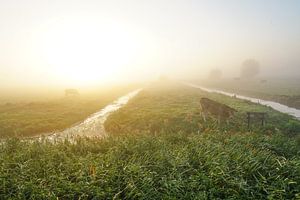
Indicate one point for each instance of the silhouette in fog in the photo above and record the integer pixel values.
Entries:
(250, 68)
(218, 110)
(71, 93)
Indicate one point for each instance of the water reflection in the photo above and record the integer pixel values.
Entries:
(276, 106)
(93, 126)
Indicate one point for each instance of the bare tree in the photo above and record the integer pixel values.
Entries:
(250, 68)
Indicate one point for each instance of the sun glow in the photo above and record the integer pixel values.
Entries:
(89, 51)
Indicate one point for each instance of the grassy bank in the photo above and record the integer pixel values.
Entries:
(210, 165)
(284, 91)
(159, 148)
(173, 108)
(34, 118)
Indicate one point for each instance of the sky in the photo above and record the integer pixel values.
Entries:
(72, 42)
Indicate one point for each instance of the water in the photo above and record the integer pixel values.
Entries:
(93, 126)
(276, 106)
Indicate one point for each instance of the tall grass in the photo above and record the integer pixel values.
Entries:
(211, 165)
(159, 148)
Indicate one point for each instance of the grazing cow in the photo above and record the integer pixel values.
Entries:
(71, 92)
(220, 111)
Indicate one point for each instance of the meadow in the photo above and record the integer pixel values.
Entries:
(158, 147)
(173, 107)
(282, 90)
(31, 118)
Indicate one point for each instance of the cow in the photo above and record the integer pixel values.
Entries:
(71, 92)
(220, 111)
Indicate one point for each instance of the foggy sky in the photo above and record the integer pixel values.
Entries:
(188, 37)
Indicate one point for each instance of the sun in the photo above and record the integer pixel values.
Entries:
(88, 51)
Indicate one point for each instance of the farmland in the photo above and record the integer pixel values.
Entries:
(192, 100)
(282, 90)
(31, 118)
(177, 108)
(160, 148)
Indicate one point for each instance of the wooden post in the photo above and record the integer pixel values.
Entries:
(248, 116)
(263, 119)
(259, 115)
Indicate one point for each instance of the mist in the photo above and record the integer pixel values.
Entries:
(75, 44)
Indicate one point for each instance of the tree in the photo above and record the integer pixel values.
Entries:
(250, 68)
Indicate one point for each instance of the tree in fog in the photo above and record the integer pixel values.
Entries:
(215, 74)
(250, 68)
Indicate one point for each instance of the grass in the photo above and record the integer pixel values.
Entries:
(34, 118)
(159, 148)
(177, 108)
(271, 86)
(284, 91)
(210, 165)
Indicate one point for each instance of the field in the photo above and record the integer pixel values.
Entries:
(174, 107)
(285, 91)
(28, 119)
(160, 148)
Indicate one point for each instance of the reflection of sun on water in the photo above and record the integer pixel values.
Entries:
(89, 52)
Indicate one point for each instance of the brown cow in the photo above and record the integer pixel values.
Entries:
(220, 111)
(71, 92)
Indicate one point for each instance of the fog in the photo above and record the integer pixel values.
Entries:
(71, 43)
